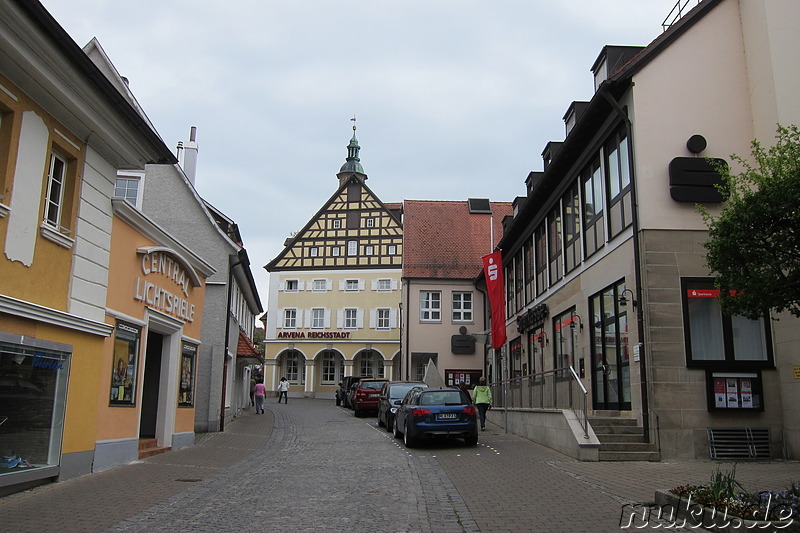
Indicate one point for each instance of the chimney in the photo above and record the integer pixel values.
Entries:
(190, 155)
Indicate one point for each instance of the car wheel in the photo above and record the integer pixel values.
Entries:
(356, 412)
(396, 431)
(380, 422)
(389, 422)
(471, 440)
(407, 440)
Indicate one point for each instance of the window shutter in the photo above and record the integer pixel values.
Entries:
(281, 318)
(360, 318)
(301, 285)
(281, 286)
(327, 320)
(374, 284)
(328, 285)
(392, 317)
(307, 313)
(361, 284)
(339, 318)
(342, 284)
(373, 318)
(394, 284)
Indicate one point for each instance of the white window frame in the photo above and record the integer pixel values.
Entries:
(459, 309)
(384, 318)
(317, 318)
(350, 318)
(351, 285)
(331, 368)
(336, 251)
(124, 186)
(369, 250)
(293, 372)
(54, 207)
(392, 249)
(337, 223)
(320, 285)
(313, 251)
(384, 285)
(430, 306)
(370, 222)
(294, 288)
(352, 248)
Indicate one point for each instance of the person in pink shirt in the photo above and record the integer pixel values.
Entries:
(259, 392)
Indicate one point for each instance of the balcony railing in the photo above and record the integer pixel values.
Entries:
(681, 8)
(554, 389)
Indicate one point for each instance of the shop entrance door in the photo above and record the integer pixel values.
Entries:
(150, 387)
(611, 386)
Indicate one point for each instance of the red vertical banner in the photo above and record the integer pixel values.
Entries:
(496, 288)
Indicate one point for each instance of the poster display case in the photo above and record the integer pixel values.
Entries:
(733, 391)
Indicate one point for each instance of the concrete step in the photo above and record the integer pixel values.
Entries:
(150, 447)
(626, 447)
(617, 430)
(629, 456)
(612, 421)
(621, 437)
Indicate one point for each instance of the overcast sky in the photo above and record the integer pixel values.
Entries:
(454, 99)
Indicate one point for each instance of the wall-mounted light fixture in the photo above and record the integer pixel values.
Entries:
(572, 319)
(623, 300)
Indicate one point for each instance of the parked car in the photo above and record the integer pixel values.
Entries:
(344, 389)
(392, 394)
(365, 395)
(436, 413)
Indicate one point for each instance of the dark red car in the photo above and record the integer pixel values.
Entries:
(366, 395)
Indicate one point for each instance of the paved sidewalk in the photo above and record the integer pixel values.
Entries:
(311, 466)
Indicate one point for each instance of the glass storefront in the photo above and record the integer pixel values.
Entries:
(33, 391)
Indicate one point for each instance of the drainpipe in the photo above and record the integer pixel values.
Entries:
(643, 355)
(408, 353)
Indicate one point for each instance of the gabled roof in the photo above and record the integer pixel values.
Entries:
(443, 240)
(342, 190)
(245, 348)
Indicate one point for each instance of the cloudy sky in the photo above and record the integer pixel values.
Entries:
(454, 99)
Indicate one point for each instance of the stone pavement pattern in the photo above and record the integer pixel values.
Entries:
(310, 466)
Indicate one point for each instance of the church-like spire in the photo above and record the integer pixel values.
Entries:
(352, 164)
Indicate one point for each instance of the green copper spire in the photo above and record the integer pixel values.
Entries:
(353, 163)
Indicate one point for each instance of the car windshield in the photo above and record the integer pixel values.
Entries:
(399, 391)
(442, 398)
(372, 384)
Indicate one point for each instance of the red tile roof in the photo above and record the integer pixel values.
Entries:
(442, 239)
(245, 347)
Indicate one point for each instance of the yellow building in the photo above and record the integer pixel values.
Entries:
(334, 292)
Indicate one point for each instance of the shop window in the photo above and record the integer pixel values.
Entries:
(716, 340)
(293, 361)
(331, 367)
(371, 364)
(564, 345)
(188, 357)
(126, 359)
(33, 391)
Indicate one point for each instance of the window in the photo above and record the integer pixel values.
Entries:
(319, 285)
(610, 365)
(330, 367)
(292, 371)
(530, 271)
(313, 251)
(186, 393)
(336, 251)
(392, 249)
(352, 247)
(337, 223)
(370, 222)
(572, 228)
(554, 248)
(540, 255)
(462, 307)
(351, 285)
(384, 285)
(371, 364)
(127, 187)
(618, 183)
(290, 318)
(519, 281)
(430, 306)
(292, 285)
(369, 250)
(56, 183)
(383, 318)
(715, 339)
(593, 229)
(124, 370)
(564, 352)
(351, 318)
(317, 318)
(509, 279)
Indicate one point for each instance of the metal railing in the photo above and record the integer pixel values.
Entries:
(554, 389)
(680, 9)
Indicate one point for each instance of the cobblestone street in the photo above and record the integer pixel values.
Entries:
(311, 466)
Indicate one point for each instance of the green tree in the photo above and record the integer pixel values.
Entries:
(754, 241)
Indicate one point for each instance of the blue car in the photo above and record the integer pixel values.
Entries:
(436, 413)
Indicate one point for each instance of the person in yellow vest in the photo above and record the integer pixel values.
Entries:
(482, 396)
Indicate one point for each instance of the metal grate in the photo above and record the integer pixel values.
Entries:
(739, 443)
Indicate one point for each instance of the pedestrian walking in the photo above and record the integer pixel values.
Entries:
(283, 391)
(252, 390)
(259, 392)
(482, 396)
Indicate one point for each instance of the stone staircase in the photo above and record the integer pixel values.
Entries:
(149, 448)
(622, 439)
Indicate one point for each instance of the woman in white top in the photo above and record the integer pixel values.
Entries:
(283, 390)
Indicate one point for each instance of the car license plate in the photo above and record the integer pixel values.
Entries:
(447, 416)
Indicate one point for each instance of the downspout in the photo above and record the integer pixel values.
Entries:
(407, 354)
(227, 341)
(637, 271)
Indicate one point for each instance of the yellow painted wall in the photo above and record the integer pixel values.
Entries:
(51, 262)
